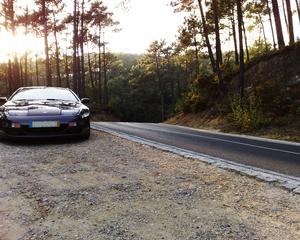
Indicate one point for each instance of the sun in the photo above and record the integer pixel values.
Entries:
(11, 45)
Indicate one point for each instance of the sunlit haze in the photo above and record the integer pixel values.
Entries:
(145, 22)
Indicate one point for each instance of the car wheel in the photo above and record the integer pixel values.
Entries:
(86, 136)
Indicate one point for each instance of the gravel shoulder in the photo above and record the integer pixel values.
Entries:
(112, 188)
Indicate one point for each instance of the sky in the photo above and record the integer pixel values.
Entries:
(146, 21)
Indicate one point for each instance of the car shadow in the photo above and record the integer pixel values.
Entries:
(43, 141)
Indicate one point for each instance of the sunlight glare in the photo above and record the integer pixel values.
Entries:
(11, 45)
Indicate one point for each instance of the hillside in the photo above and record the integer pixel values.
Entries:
(275, 81)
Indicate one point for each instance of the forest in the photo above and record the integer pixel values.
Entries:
(205, 68)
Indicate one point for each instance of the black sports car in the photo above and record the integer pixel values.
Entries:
(44, 112)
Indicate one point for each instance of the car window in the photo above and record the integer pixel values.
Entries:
(44, 94)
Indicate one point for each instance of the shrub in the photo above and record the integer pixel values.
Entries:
(247, 114)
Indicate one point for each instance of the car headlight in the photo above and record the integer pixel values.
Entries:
(84, 113)
(70, 112)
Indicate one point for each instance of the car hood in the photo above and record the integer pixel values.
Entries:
(42, 108)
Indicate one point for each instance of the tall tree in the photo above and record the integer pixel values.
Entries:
(45, 26)
(256, 11)
(75, 40)
(270, 20)
(298, 9)
(217, 32)
(280, 38)
(26, 50)
(105, 73)
(100, 18)
(10, 25)
(290, 21)
(234, 34)
(56, 28)
(189, 34)
(82, 37)
(240, 22)
(214, 64)
(154, 54)
(168, 52)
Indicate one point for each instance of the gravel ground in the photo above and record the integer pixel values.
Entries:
(111, 188)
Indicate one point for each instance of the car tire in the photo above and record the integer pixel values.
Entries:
(87, 136)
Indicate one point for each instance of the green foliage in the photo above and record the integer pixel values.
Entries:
(247, 114)
(183, 105)
(103, 108)
(273, 97)
(259, 48)
(141, 112)
(283, 121)
(224, 107)
(202, 97)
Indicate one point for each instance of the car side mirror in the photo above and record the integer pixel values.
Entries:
(3, 99)
(85, 100)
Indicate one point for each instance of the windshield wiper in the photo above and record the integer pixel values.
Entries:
(21, 101)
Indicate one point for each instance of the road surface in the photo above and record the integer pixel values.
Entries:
(277, 156)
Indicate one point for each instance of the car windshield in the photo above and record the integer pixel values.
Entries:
(27, 94)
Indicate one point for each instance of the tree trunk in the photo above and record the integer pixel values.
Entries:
(290, 21)
(6, 84)
(240, 22)
(186, 76)
(58, 78)
(197, 58)
(278, 24)
(37, 69)
(47, 64)
(171, 83)
(16, 74)
(100, 72)
(26, 52)
(104, 72)
(91, 75)
(95, 75)
(67, 71)
(82, 52)
(78, 57)
(218, 50)
(66, 64)
(21, 74)
(272, 29)
(205, 32)
(75, 47)
(284, 15)
(298, 9)
(217, 30)
(246, 41)
(234, 39)
(161, 85)
(79, 74)
(90, 70)
(10, 76)
(264, 33)
(178, 86)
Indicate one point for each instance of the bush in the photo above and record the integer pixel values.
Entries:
(247, 115)
(183, 105)
(200, 104)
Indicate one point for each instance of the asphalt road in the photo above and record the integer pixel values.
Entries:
(277, 156)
